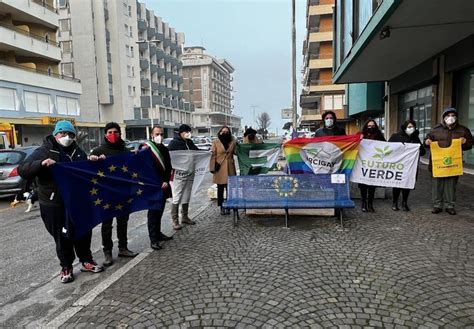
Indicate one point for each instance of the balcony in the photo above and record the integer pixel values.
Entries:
(191, 107)
(168, 75)
(166, 43)
(181, 105)
(154, 85)
(157, 100)
(153, 68)
(161, 71)
(145, 101)
(145, 83)
(32, 11)
(320, 63)
(175, 93)
(321, 10)
(166, 101)
(19, 74)
(169, 91)
(141, 25)
(186, 106)
(320, 36)
(160, 54)
(179, 65)
(321, 86)
(160, 36)
(174, 103)
(27, 44)
(162, 89)
(142, 46)
(143, 63)
(150, 33)
(180, 94)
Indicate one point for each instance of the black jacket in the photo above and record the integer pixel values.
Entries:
(335, 131)
(166, 174)
(48, 192)
(178, 143)
(107, 148)
(402, 137)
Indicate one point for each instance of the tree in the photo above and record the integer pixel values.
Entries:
(287, 125)
(263, 121)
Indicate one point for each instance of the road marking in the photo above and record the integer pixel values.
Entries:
(94, 292)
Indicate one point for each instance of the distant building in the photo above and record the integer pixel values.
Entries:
(34, 93)
(319, 94)
(208, 85)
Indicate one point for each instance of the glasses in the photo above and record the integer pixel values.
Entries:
(70, 134)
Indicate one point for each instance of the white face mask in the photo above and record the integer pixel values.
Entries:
(450, 120)
(187, 135)
(65, 141)
(158, 139)
(410, 131)
(328, 122)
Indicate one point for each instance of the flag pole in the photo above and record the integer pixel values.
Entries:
(293, 58)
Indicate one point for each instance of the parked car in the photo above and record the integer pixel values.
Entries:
(134, 146)
(167, 141)
(10, 182)
(203, 143)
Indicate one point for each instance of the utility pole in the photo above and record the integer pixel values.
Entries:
(253, 107)
(293, 58)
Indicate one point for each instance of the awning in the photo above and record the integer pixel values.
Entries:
(403, 34)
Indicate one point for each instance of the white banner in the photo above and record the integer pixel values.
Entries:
(196, 162)
(386, 164)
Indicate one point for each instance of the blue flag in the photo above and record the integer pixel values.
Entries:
(94, 191)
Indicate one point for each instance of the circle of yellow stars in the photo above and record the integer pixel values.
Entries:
(285, 185)
(101, 174)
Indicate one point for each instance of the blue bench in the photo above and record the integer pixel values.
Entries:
(287, 192)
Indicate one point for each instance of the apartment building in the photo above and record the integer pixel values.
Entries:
(208, 85)
(422, 50)
(34, 93)
(319, 94)
(128, 60)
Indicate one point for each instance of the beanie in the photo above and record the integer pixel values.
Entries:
(184, 128)
(64, 125)
(449, 110)
(249, 131)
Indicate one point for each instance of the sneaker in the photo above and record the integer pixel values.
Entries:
(156, 246)
(162, 237)
(66, 275)
(30, 205)
(91, 267)
(188, 221)
(451, 211)
(124, 252)
(436, 210)
(108, 260)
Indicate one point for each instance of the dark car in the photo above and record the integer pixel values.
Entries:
(10, 182)
(134, 146)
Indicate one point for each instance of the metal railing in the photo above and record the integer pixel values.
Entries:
(43, 3)
(54, 75)
(29, 34)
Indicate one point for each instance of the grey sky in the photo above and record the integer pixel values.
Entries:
(255, 36)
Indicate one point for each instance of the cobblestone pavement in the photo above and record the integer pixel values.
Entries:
(386, 269)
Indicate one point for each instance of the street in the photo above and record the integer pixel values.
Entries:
(31, 289)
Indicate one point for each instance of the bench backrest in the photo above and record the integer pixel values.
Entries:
(287, 191)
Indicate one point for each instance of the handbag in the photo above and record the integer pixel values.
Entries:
(218, 165)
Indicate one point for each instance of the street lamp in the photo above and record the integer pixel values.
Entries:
(150, 112)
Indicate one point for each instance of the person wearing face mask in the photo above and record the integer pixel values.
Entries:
(222, 164)
(154, 216)
(183, 180)
(444, 188)
(113, 145)
(329, 128)
(250, 137)
(59, 147)
(407, 134)
(370, 130)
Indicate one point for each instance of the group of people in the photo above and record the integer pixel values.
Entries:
(61, 146)
(443, 188)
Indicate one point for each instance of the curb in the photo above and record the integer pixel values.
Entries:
(101, 287)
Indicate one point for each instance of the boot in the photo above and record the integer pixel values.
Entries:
(125, 252)
(370, 206)
(364, 206)
(175, 217)
(405, 206)
(222, 211)
(184, 212)
(395, 206)
(108, 261)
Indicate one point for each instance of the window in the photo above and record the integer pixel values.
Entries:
(66, 46)
(67, 69)
(63, 3)
(131, 32)
(338, 102)
(128, 71)
(130, 11)
(133, 72)
(131, 51)
(126, 29)
(127, 50)
(36, 102)
(8, 99)
(67, 105)
(65, 25)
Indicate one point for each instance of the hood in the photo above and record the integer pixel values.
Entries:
(329, 112)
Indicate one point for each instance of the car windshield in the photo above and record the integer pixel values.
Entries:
(11, 158)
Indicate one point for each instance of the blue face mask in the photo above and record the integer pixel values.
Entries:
(328, 122)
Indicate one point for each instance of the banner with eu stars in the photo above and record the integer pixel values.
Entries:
(94, 191)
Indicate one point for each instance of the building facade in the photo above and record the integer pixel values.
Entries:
(208, 85)
(319, 94)
(128, 60)
(421, 50)
(34, 93)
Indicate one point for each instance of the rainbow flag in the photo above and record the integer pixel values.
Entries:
(322, 155)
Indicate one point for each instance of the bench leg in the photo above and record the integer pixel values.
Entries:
(236, 214)
(286, 218)
(340, 217)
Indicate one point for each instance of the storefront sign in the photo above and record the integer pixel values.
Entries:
(53, 120)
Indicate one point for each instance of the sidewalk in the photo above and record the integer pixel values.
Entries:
(387, 269)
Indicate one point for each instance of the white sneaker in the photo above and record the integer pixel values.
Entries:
(30, 205)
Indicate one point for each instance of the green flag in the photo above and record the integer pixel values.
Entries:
(257, 159)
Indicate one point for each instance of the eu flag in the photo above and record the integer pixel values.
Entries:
(94, 191)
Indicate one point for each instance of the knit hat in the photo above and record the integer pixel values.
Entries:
(249, 131)
(449, 110)
(184, 128)
(64, 125)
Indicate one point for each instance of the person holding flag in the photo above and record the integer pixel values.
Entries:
(113, 145)
(60, 146)
(183, 180)
(163, 161)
